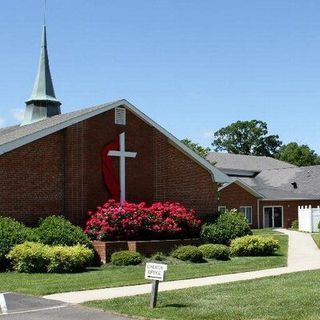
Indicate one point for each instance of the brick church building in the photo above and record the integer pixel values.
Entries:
(55, 163)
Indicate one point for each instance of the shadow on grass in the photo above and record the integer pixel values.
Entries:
(174, 305)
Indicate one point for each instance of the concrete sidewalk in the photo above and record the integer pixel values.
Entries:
(303, 254)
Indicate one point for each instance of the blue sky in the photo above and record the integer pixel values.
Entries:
(193, 66)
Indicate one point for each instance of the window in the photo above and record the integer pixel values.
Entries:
(222, 209)
(120, 116)
(247, 212)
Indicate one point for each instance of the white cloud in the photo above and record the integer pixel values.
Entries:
(208, 134)
(18, 113)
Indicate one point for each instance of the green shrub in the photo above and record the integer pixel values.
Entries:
(56, 230)
(295, 225)
(69, 259)
(229, 225)
(254, 246)
(215, 251)
(159, 256)
(12, 232)
(188, 253)
(126, 258)
(29, 257)
(37, 257)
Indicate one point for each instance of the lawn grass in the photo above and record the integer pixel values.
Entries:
(288, 297)
(113, 276)
(266, 231)
(316, 238)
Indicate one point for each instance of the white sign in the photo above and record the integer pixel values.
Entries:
(155, 271)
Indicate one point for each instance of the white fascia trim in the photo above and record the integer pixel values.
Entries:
(245, 187)
(217, 175)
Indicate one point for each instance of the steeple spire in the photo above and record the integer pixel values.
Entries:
(43, 102)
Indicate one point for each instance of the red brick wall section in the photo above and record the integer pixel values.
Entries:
(61, 173)
(75, 189)
(290, 209)
(105, 249)
(233, 197)
(178, 178)
(32, 180)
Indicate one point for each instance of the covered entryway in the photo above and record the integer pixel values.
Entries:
(273, 217)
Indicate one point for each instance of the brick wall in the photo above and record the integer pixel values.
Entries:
(290, 209)
(104, 249)
(177, 178)
(32, 180)
(233, 197)
(61, 173)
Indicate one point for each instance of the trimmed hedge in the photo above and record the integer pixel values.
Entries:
(56, 230)
(126, 258)
(159, 256)
(188, 253)
(229, 225)
(215, 251)
(31, 257)
(69, 259)
(254, 246)
(12, 232)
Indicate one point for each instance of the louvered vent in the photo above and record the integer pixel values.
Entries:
(120, 116)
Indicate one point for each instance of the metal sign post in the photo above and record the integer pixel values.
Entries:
(154, 293)
(155, 272)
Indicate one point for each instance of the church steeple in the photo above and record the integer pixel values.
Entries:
(43, 102)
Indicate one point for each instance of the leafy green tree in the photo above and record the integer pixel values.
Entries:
(247, 137)
(201, 151)
(299, 155)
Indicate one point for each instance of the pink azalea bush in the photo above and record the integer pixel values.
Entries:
(131, 221)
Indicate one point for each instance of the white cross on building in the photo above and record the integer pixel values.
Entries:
(122, 154)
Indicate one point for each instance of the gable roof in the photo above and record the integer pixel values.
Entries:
(244, 186)
(229, 162)
(17, 136)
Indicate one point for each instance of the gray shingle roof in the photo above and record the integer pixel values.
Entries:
(6, 130)
(13, 133)
(244, 162)
(277, 183)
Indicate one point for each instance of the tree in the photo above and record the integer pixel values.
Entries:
(299, 155)
(247, 137)
(201, 151)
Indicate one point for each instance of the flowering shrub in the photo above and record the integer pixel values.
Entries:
(131, 221)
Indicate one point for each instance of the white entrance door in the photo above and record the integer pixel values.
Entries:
(272, 217)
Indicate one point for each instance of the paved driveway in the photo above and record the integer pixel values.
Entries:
(22, 307)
